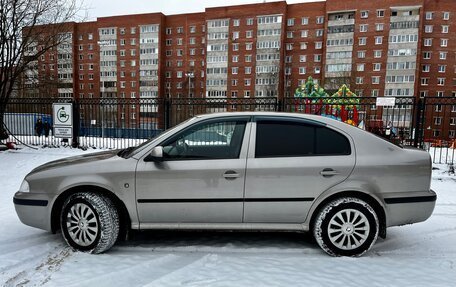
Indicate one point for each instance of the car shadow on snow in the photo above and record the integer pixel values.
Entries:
(220, 241)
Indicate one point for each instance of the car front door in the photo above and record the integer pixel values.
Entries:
(291, 162)
(200, 178)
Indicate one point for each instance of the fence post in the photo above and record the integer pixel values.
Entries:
(76, 124)
(418, 120)
(167, 111)
(279, 107)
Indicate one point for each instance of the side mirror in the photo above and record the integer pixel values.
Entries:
(156, 155)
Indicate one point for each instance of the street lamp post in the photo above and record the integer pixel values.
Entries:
(189, 75)
(102, 87)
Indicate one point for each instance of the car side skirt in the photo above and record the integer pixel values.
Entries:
(225, 226)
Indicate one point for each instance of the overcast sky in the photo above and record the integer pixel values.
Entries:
(102, 8)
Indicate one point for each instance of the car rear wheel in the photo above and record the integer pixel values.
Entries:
(89, 222)
(346, 227)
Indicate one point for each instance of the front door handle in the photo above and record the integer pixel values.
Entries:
(230, 174)
(327, 172)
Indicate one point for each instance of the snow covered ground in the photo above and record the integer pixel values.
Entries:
(423, 254)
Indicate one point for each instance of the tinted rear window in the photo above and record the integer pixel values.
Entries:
(294, 139)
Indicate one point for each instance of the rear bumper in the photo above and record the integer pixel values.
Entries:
(413, 208)
(33, 209)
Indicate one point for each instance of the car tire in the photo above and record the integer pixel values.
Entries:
(89, 222)
(346, 227)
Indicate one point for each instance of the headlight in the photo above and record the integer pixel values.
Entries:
(24, 186)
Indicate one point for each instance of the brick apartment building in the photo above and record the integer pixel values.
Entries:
(391, 48)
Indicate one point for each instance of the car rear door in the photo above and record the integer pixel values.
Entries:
(291, 162)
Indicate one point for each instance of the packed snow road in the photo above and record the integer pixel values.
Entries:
(423, 254)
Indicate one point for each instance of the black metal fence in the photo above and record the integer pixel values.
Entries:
(428, 123)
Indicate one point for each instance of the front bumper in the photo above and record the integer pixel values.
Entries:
(34, 209)
(410, 208)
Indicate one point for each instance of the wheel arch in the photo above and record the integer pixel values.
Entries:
(124, 218)
(372, 201)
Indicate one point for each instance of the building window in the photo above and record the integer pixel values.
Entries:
(304, 20)
(360, 67)
(248, 58)
(426, 68)
(317, 58)
(443, 42)
(235, 59)
(303, 46)
(364, 14)
(302, 58)
(247, 82)
(317, 70)
(428, 42)
(249, 21)
(304, 33)
(377, 53)
(236, 22)
(168, 31)
(320, 19)
(290, 22)
(426, 55)
(379, 27)
(377, 67)
(363, 28)
(359, 80)
(362, 41)
(375, 80)
(440, 81)
(442, 55)
(378, 40)
(361, 54)
(424, 81)
(446, 15)
(302, 70)
(249, 34)
(428, 28)
(234, 70)
(442, 68)
(133, 30)
(180, 30)
(192, 29)
(290, 34)
(429, 15)
(90, 36)
(380, 13)
(445, 29)
(289, 46)
(318, 45)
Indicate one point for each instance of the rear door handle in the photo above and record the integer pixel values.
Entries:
(230, 174)
(327, 172)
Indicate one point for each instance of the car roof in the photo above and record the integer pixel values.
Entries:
(318, 118)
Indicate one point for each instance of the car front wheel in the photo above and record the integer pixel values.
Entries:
(89, 222)
(346, 227)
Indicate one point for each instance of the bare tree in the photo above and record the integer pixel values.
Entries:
(25, 35)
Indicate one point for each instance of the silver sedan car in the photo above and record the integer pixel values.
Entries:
(236, 171)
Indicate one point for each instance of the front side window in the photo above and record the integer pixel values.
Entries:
(275, 138)
(215, 140)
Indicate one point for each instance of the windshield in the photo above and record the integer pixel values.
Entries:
(134, 150)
